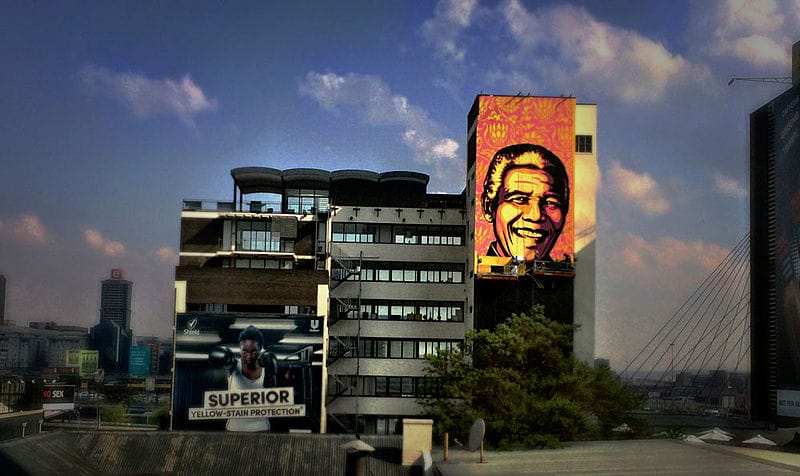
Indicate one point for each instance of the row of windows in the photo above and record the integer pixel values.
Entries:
(382, 386)
(405, 272)
(369, 347)
(370, 424)
(403, 310)
(259, 236)
(254, 263)
(398, 234)
(306, 200)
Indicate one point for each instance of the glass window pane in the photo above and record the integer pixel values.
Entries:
(408, 349)
(382, 349)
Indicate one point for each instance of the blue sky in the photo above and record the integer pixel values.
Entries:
(113, 113)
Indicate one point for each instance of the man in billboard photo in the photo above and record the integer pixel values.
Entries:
(526, 199)
(254, 370)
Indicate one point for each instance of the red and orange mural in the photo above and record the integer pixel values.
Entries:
(524, 176)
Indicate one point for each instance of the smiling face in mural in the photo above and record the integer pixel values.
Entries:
(530, 214)
(526, 198)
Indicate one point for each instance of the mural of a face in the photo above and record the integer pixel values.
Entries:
(530, 214)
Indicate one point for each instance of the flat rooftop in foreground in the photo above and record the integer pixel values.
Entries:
(629, 457)
(201, 453)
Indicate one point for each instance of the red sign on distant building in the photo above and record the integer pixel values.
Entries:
(117, 274)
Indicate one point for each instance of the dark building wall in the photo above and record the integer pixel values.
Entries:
(113, 345)
(496, 300)
(251, 286)
(762, 264)
(201, 235)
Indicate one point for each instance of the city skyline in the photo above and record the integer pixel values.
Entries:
(114, 113)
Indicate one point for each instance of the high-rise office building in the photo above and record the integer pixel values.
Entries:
(115, 299)
(775, 256)
(112, 336)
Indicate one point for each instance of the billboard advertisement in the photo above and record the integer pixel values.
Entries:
(524, 176)
(787, 248)
(58, 397)
(139, 360)
(249, 374)
(85, 360)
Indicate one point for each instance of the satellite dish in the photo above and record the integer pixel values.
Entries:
(476, 435)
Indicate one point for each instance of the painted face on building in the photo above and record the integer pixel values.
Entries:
(530, 213)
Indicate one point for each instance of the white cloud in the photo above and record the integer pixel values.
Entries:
(570, 46)
(371, 99)
(166, 255)
(729, 186)
(760, 32)
(26, 228)
(639, 189)
(667, 254)
(97, 241)
(444, 29)
(147, 97)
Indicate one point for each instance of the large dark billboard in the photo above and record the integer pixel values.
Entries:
(246, 373)
(786, 110)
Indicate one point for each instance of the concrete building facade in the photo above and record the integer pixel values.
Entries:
(372, 273)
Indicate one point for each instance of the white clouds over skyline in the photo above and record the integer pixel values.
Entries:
(759, 32)
(166, 255)
(639, 189)
(25, 229)
(97, 241)
(146, 97)
(373, 102)
(444, 29)
(729, 186)
(572, 47)
(645, 282)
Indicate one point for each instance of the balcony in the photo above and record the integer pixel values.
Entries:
(254, 206)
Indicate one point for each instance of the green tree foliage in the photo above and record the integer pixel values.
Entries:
(114, 414)
(523, 380)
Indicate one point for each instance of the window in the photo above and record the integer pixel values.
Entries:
(383, 386)
(406, 310)
(398, 234)
(257, 236)
(583, 144)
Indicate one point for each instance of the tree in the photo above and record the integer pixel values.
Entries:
(523, 380)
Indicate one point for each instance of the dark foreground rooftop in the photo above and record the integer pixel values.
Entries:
(196, 453)
(628, 457)
(108, 453)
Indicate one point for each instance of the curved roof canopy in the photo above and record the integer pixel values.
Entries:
(405, 176)
(257, 180)
(269, 180)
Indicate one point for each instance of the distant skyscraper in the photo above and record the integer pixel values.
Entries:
(115, 300)
(2, 298)
(112, 336)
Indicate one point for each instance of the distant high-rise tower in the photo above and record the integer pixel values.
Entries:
(115, 300)
(112, 336)
(2, 298)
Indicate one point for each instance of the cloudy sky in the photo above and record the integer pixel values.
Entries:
(113, 113)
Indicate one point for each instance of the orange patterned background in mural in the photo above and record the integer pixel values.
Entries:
(508, 120)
